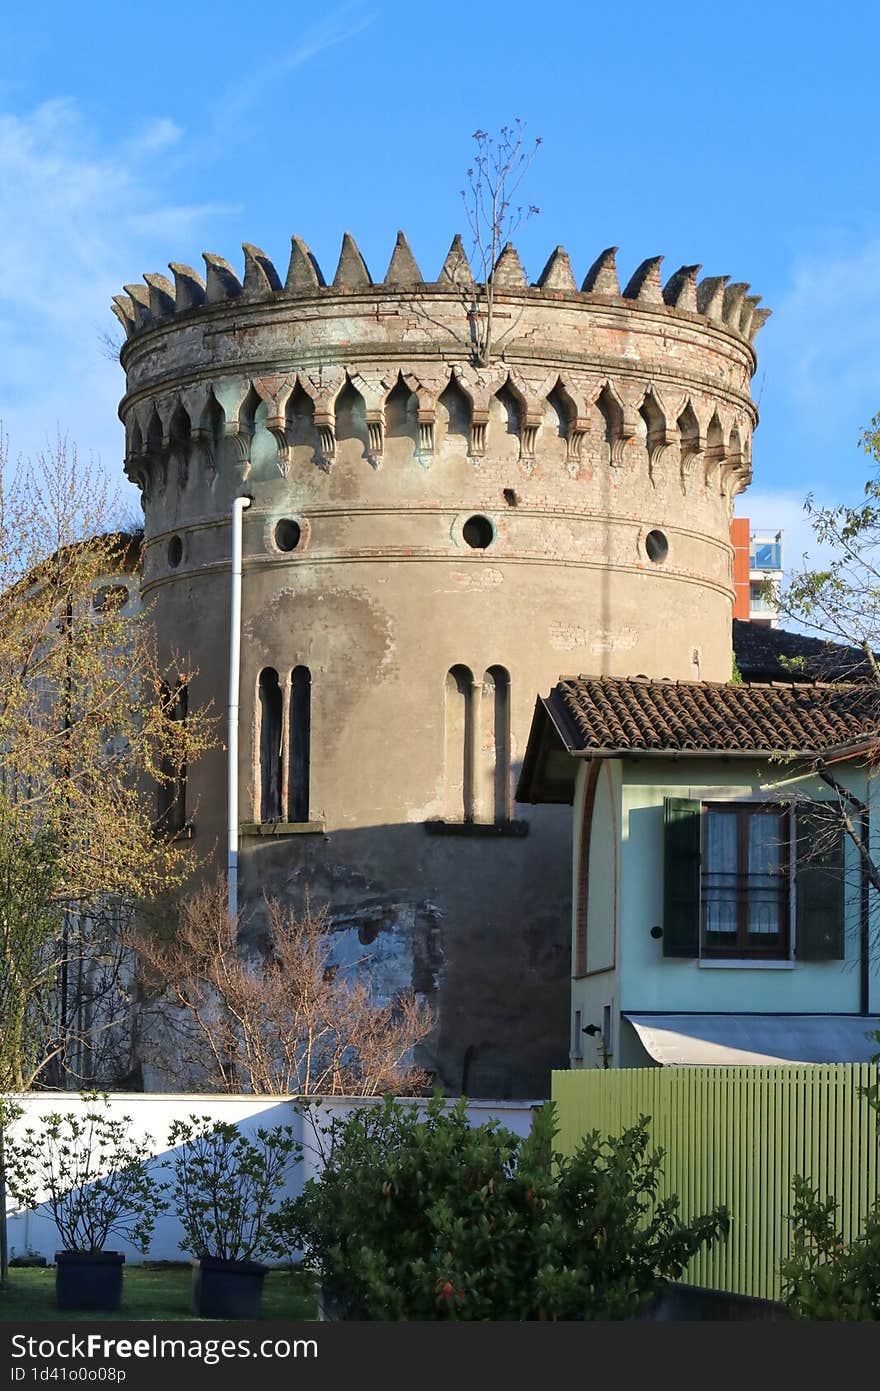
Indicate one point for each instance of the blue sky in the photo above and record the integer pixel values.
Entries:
(743, 136)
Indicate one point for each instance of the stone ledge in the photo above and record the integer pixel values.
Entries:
(477, 828)
(282, 828)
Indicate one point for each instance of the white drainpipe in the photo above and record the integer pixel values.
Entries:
(238, 508)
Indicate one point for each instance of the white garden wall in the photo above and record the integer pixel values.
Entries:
(33, 1233)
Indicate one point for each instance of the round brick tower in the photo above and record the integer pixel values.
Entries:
(430, 544)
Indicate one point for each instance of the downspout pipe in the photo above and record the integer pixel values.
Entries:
(239, 507)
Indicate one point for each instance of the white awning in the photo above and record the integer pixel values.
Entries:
(677, 1040)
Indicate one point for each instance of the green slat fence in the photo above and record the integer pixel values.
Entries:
(738, 1135)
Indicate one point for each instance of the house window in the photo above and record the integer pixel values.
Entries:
(737, 875)
(746, 908)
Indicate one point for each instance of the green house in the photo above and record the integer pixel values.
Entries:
(722, 904)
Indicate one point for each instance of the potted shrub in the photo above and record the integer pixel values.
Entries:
(93, 1177)
(224, 1187)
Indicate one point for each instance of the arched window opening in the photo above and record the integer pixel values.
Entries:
(300, 414)
(559, 411)
(689, 433)
(212, 426)
(247, 413)
(512, 408)
(271, 706)
(654, 422)
(180, 430)
(715, 440)
(454, 411)
(351, 417)
(612, 422)
(495, 743)
(264, 446)
(402, 413)
(300, 744)
(459, 769)
(154, 436)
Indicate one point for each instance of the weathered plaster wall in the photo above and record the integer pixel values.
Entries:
(357, 412)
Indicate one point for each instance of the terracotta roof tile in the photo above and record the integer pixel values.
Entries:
(636, 714)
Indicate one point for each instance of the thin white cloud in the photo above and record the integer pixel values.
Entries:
(338, 26)
(165, 223)
(826, 346)
(153, 138)
(77, 220)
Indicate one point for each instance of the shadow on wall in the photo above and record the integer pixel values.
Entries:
(477, 922)
(34, 1232)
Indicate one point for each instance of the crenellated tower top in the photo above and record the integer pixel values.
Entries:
(714, 298)
(224, 370)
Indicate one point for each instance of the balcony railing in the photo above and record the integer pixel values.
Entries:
(766, 556)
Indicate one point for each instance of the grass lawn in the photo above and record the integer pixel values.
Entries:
(148, 1292)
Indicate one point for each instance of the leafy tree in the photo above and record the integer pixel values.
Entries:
(30, 931)
(88, 728)
(841, 604)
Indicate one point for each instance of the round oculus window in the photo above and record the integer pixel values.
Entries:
(478, 532)
(657, 546)
(288, 534)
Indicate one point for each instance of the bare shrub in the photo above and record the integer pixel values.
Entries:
(284, 1021)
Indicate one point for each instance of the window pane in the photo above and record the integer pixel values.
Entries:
(766, 855)
(720, 874)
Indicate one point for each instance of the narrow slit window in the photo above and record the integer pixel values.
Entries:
(300, 743)
(459, 767)
(495, 745)
(271, 705)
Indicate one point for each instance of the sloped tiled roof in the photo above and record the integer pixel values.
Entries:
(638, 715)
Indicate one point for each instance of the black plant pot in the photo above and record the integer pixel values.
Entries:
(88, 1279)
(227, 1289)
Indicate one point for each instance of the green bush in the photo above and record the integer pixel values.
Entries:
(824, 1277)
(419, 1215)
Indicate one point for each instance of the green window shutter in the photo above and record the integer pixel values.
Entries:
(819, 883)
(681, 877)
